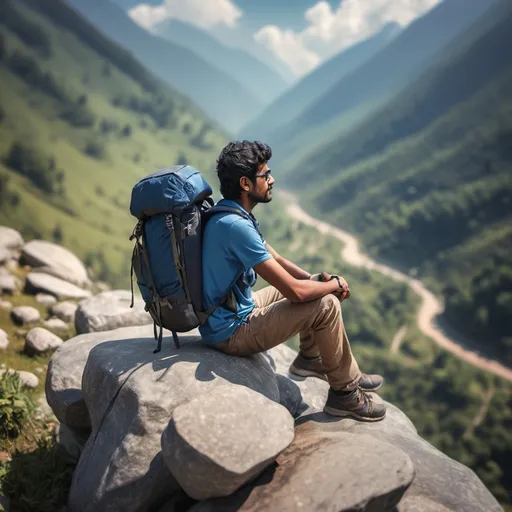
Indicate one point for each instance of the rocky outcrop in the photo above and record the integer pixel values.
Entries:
(154, 425)
(55, 260)
(110, 310)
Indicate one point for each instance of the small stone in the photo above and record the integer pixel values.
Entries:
(39, 341)
(46, 300)
(56, 324)
(4, 339)
(39, 369)
(27, 379)
(65, 310)
(25, 314)
(11, 265)
(7, 283)
(5, 305)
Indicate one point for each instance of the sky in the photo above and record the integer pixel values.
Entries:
(300, 33)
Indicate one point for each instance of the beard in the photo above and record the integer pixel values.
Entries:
(261, 198)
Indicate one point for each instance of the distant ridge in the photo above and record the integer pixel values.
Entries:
(219, 95)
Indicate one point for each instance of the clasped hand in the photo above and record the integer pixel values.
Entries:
(343, 292)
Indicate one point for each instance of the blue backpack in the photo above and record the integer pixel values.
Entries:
(172, 206)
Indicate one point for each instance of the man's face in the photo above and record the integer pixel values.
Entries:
(261, 191)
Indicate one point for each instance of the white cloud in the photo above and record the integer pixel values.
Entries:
(330, 31)
(202, 13)
(288, 47)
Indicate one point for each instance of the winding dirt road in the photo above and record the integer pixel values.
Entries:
(430, 307)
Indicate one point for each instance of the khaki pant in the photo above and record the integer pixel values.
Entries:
(275, 320)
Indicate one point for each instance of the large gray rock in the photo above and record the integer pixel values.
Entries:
(39, 341)
(22, 315)
(65, 310)
(55, 260)
(11, 243)
(220, 440)
(61, 289)
(319, 472)
(110, 310)
(127, 394)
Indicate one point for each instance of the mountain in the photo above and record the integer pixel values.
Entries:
(261, 80)
(369, 86)
(427, 183)
(298, 98)
(222, 97)
(81, 121)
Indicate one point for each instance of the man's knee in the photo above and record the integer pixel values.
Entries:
(330, 302)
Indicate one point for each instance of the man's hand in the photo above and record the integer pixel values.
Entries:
(344, 291)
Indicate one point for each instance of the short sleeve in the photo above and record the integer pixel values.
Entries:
(247, 245)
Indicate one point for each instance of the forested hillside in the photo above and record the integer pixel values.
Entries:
(439, 201)
(367, 89)
(222, 97)
(80, 122)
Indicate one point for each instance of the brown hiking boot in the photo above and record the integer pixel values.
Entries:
(357, 404)
(371, 382)
(308, 367)
(313, 368)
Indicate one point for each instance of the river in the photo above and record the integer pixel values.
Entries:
(431, 306)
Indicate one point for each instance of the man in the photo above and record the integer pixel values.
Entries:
(234, 252)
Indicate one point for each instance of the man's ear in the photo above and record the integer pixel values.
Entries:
(245, 183)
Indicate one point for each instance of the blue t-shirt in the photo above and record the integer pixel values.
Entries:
(232, 246)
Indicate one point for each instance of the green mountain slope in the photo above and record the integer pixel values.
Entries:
(440, 201)
(310, 88)
(80, 122)
(261, 80)
(222, 97)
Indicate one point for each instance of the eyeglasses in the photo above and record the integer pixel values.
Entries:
(265, 175)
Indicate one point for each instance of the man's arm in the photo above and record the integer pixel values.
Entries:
(290, 267)
(296, 289)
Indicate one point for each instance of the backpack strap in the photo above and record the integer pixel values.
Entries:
(229, 300)
(140, 249)
(207, 214)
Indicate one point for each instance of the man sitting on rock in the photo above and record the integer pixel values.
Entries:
(296, 301)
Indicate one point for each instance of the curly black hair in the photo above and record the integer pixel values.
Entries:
(239, 159)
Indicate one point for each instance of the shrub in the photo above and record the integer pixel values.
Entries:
(108, 125)
(95, 150)
(30, 72)
(36, 166)
(15, 405)
(38, 480)
(126, 131)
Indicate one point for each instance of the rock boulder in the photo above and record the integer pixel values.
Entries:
(39, 341)
(55, 260)
(220, 440)
(61, 289)
(110, 310)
